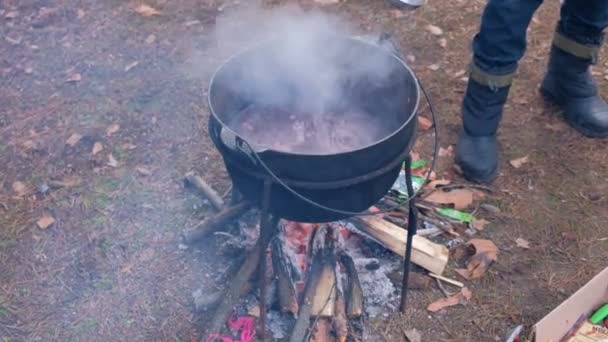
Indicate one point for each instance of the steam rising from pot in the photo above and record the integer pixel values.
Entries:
(299, 63)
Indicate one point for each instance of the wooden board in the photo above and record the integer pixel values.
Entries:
(425, 253)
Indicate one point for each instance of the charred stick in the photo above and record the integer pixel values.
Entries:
(211, 223)
(322, 260)
(353, 291)
(340, 322)
(205, 189)
(283, 268)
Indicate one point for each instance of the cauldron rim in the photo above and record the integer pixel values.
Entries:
(261, 148)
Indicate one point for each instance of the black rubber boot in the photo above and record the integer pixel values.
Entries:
(570, 85)
(477, 149)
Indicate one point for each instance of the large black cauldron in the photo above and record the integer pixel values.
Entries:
(369, 77)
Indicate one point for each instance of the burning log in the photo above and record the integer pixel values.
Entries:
(320, 289)
(427, 254)
(353, 291)
(210, 224)
(286, 273)
(323, 302)
(205, 189)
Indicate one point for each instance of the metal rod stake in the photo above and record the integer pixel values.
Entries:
(411, 231)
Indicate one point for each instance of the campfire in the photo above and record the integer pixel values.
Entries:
(310, 283)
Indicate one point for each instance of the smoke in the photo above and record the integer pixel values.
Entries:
(303, 63)
(307, 69)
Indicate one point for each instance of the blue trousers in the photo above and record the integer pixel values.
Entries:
(501, 41)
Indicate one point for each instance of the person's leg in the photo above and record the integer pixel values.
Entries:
(568, 81)
(497, 49)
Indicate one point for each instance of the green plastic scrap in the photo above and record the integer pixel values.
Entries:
(456, 214)
(416, 164)
(599, 315)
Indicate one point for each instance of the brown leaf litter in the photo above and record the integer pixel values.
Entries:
(459, 198)
(461, 297)
(519, 162)
(480, 224)
(146, 10)
(97, 147)
(424, 123)
(113, 128)
(522, 243)
(412, 335)
(73, 139)
(45, 221)
(486, 252)
(19, 188)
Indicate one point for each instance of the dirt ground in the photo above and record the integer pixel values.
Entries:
(109, 267)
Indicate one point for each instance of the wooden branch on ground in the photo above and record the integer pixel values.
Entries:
(195, 181)
(353, 291)
(447, 280)
(425, 253)
(242, 277)
(285, 273)
(212, 223)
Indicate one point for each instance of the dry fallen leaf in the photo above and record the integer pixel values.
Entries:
(480, 224)
(446, 152)
(460, 198)
(443, 42)
(519, 162)
(74, 78)
(128, 146)
(19, 188)
(522, 243)
(73, 139)
(434, 67)
(97, 147)
(113, 128)
(151, 39)
(45, 221)
(11, 15)
(146, 10)
(131, 66)
(254, 311)
(413, 335)
(460, 298)
(327, 2)
(435, 30)
(112, 161)
(143, 171)
(486, 252)
(424, 123)
(65, 183)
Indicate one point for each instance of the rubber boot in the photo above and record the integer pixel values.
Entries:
(569, 84)
(482, 108)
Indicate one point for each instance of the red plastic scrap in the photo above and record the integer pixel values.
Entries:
(246, 326)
